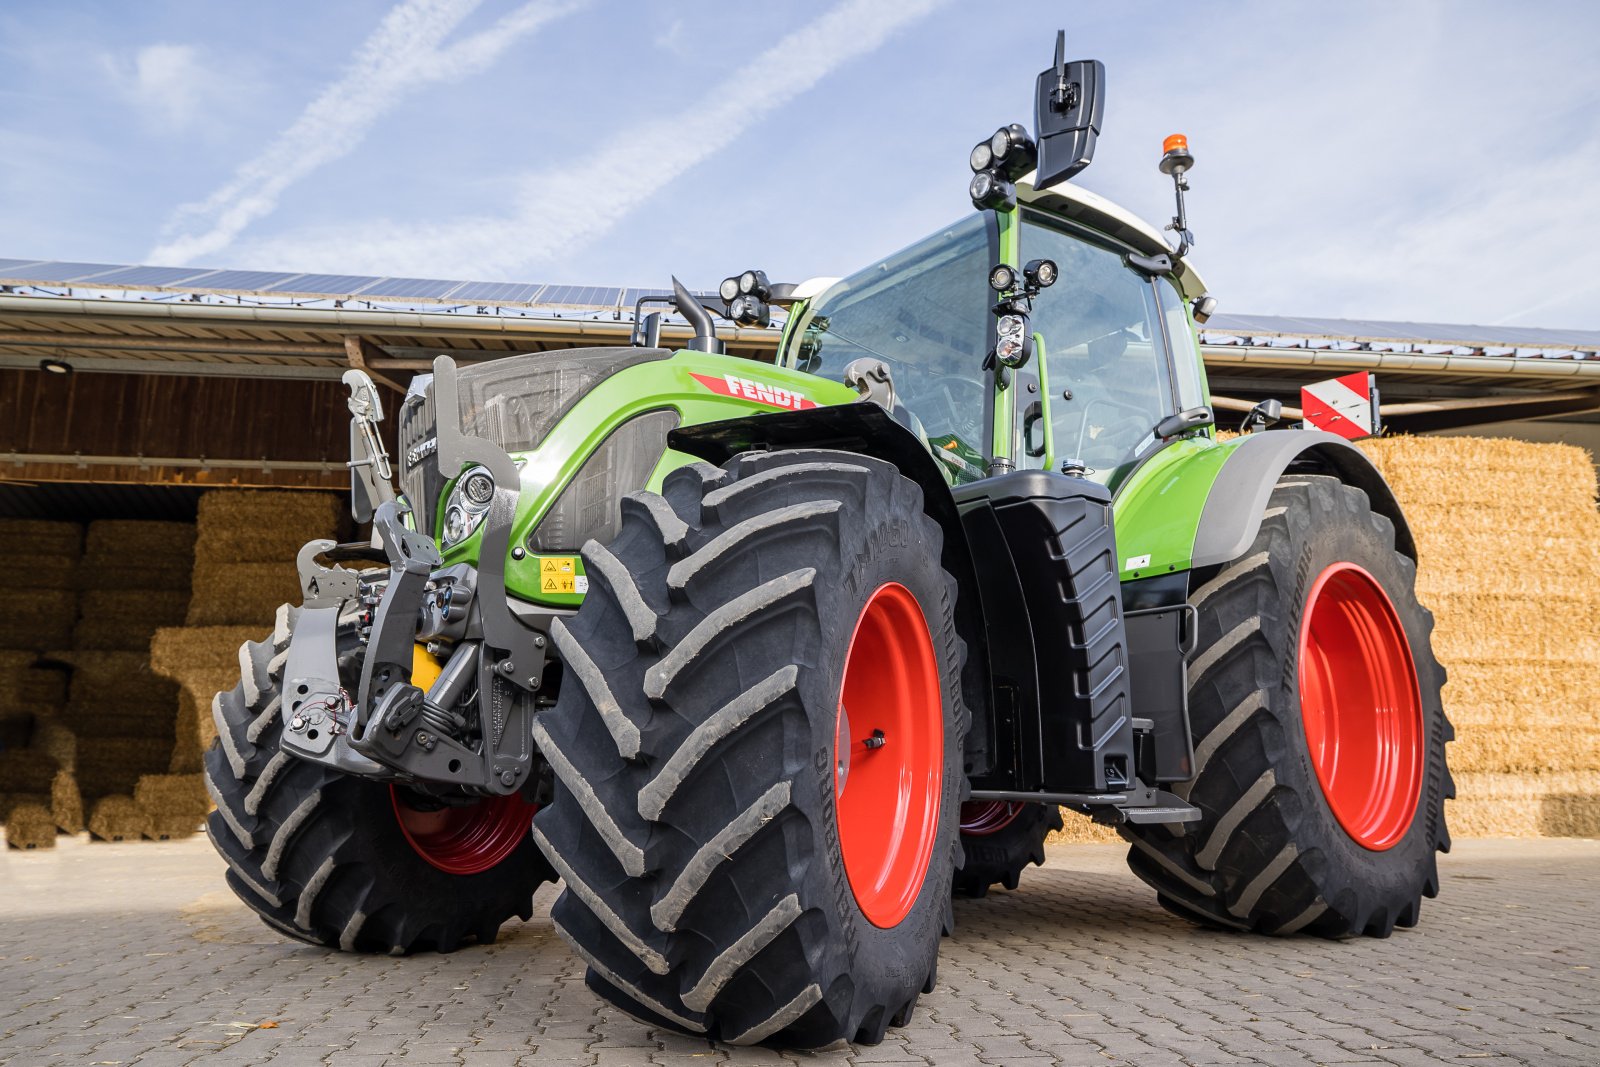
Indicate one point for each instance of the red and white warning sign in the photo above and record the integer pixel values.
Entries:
(1347, 405)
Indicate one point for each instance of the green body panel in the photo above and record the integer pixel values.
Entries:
(668, 383)
(1157, 508)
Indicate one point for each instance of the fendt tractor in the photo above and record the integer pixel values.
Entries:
(763, 661)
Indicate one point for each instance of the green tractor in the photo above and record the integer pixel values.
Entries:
(775, 657)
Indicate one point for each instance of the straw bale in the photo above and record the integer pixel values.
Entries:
(44, 684)
(231, 594)
(31, 826)
(1490, 625)
(66, 803)
(263, 526)
(26, 771)
(127, 618)
(1526, 749)
(1564, 804)
(115, 764)
(112, 541)
(1466, 470)
(40, 537)
(136, 574)
(192, 735)
(123, 720)
(176, 804)
(10, 801)
(178, 649)
(53, 738)
(117, 818)
(1079, 829)
(38, 571)
(38, 619)
(172, 794)
(111, 677)
(1522, 692)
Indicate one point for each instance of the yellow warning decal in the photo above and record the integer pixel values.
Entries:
(559, 574)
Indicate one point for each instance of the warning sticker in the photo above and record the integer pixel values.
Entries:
(558, 574)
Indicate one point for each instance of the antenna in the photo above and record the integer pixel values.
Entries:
(1061, 97)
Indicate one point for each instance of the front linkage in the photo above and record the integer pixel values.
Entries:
(471, 729)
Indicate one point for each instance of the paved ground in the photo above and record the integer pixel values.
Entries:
(135, 954)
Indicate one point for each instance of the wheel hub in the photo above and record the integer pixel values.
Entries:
(889, 755)
(1361, 706)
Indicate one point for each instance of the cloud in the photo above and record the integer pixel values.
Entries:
(547, 221)
(405, 53)
(167, 83)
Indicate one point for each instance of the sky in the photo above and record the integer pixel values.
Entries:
(1423, 161)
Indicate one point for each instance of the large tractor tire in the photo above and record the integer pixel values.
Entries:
(757, 746)
(1318, 728)
(348, 862)
(999, 840)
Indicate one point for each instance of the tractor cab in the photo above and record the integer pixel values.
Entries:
(1112, 347)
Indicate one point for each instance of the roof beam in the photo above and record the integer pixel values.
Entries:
(358, 350)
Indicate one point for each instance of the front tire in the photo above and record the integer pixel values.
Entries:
(757, 745)
(1319, 732)
(346, 862)
(999, 840)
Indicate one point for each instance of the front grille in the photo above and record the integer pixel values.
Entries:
(589, 505)
(515, 400)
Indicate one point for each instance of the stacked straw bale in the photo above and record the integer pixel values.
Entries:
(245, 553)
(173, 805)
(41, 605)
(31, 826)
(1509, 543)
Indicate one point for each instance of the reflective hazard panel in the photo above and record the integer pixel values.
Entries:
(1347, 405)
(559, 574)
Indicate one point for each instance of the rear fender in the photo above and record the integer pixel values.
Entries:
(1238, 497)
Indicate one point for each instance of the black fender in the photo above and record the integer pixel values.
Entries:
(867, 429)
(1232, 512)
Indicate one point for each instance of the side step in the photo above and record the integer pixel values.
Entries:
(1141, 806)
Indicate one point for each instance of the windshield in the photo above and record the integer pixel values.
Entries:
(925, 313)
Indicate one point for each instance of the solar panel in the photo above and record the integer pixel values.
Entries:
(320, 284)
(139, 277)
(249, 281)
(57, 273)
(8, 264)
(494, 292)
(581, 296)
(407, 288)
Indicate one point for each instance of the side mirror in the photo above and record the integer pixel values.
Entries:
(1183, 421)
(1068, 106)
(1265, 414)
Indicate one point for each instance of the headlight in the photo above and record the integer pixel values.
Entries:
(1011, 340)
(467, 504)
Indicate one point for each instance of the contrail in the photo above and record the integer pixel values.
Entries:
(632, 166)
(404, 53)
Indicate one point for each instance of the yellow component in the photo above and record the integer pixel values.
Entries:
(425, 668)
(559, 574)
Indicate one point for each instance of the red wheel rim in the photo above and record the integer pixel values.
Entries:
(980, 818)
(1360, 705)
(468, 838)
(889, 793)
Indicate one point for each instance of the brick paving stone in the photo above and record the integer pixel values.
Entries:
(138, 954)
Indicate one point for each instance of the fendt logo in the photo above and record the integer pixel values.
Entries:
(760, 392)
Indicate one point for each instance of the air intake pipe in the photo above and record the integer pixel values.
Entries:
(705, 333)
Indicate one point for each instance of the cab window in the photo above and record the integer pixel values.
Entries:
(1105, 355)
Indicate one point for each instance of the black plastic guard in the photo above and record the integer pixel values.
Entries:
(1073, 719)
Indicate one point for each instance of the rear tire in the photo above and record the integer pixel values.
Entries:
(323, 857)
(1277, 851)
(999, 840)
(714, 879)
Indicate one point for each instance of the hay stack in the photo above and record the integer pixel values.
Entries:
(41, 606)
(203, 660)
(118, 818)
(245, 552)
(31, 826)
(174, 804)
(1509, 543)
(66, 803)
